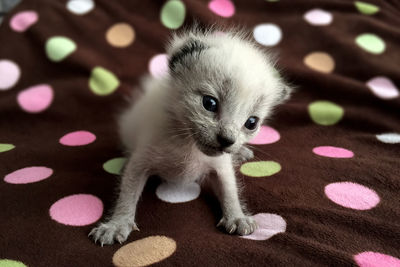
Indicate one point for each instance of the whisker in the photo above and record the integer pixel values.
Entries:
(258, 150)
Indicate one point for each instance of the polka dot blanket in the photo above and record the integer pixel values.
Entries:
(324, 185)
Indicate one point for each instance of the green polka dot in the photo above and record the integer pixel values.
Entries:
(325, 112)
(59, 47)
(260, 168)
(6, 147)
(11, 263)
(371, 43)
(173, 14)
(366, 8)
(102, 81)
(115, 165)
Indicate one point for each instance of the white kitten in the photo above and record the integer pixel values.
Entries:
(195, 121)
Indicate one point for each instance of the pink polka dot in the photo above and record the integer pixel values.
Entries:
(352, 195)
(223, 8)
(28, 175)
(333, 152)
(36, 99)
(21, 21)
(375, 259)
(158, 65)
(77, 210)
(78, 138)
(268, 226)
(9, 74)
(266, 135)
(219, 33)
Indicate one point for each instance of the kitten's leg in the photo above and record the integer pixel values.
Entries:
(244, 154)
(122, 221)
(225, 186)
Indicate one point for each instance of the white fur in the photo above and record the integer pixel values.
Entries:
(169, 133)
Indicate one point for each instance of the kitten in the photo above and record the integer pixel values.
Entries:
(196, 121)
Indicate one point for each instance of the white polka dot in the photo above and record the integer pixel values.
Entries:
(158, 65)
(268, 226)
(383, 87)
(318, 17)
(178, 193)
(9, 74)
(389, 138)
(267, 34)
(80, 7)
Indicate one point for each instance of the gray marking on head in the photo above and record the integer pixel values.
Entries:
(192, 48)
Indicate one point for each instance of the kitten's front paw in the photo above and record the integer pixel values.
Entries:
(244, 154)
(107, 233)
(241, 226)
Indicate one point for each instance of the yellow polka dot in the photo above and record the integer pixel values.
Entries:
(120, 35)
(145, 251)
(320, 61)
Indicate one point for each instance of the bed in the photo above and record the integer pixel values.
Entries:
(323, 186)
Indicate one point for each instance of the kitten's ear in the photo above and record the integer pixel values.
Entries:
(182, 50)
(286, 91)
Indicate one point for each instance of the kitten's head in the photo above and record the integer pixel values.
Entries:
(226, 87)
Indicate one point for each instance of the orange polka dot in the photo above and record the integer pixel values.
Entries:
(120, 35)
(320, 61)
(145, 251)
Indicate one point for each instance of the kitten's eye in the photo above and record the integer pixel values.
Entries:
(210, 103)
(251, 123)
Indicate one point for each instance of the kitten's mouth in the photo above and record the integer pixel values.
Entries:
(209, 150)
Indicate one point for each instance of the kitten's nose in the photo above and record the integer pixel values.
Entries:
(224, 141)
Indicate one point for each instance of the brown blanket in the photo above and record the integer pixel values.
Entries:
(325, 181)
